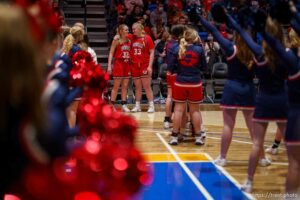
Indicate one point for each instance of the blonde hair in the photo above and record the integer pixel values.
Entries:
(244, 54)
(275, 29)
(190, 36)
(20, 74)
(141, 27)
(120, 28)
(294, 40)
(76, 33)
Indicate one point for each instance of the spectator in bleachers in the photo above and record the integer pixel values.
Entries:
(212, 50)
(151, 5)
(136, 15)
(158, 14)
(129, 4)
(175, 4)
(160, 51)
(146, 27)
(158, 30)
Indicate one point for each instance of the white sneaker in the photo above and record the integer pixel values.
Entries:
(264, 162)
(220, 161)
(166, 125)
(247, 186)
(199, 140)
(151, 109)
(271, 150)
(136, 109)
(203, 134)
(173, 141)
(125, 108)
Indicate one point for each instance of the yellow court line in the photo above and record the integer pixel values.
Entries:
(168, 157)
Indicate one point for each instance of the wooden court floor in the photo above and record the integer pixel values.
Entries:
(268, 180)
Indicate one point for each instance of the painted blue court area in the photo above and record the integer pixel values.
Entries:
(171, 182)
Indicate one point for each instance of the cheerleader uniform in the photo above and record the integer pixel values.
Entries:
(271, 100)
(171, 56)
(292, 134)
(239, 90)
(188, 84)
(121, 67)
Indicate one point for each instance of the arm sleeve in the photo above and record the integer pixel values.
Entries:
(288, 57)
(297, 17)
(227, 45)
(253, 46)
(172, 60)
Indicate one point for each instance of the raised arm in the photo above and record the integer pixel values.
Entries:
(295, 21)
(296, 26)
(225, 44)
(288, 57)
(253, 46)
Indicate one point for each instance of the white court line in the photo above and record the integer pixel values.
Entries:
(229, 176)
(186, 169)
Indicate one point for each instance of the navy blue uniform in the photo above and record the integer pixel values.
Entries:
(171, 55)
(188, 85)
(190, 67)
(271, 100)
(292, 134)
(239, 89)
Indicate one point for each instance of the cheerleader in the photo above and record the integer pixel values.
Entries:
(188, 85)
(171, 56)
(292, 134)
(271, 100)
(70, 47)
(22, 120)
(120, 52)
(239, 89)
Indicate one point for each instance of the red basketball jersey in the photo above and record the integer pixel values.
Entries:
(122, 51)
(140, 49)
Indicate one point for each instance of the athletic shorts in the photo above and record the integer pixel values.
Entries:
(171, 78)
(139, 70)
(187, 92)
(121, 69)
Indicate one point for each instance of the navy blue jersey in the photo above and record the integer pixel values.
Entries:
(237, 70)
(191, 65)
(292, 66)
(271, 81)
(171, 55)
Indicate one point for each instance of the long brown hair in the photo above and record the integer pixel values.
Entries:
(244, 54)
(275, 29)
(20, 75)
